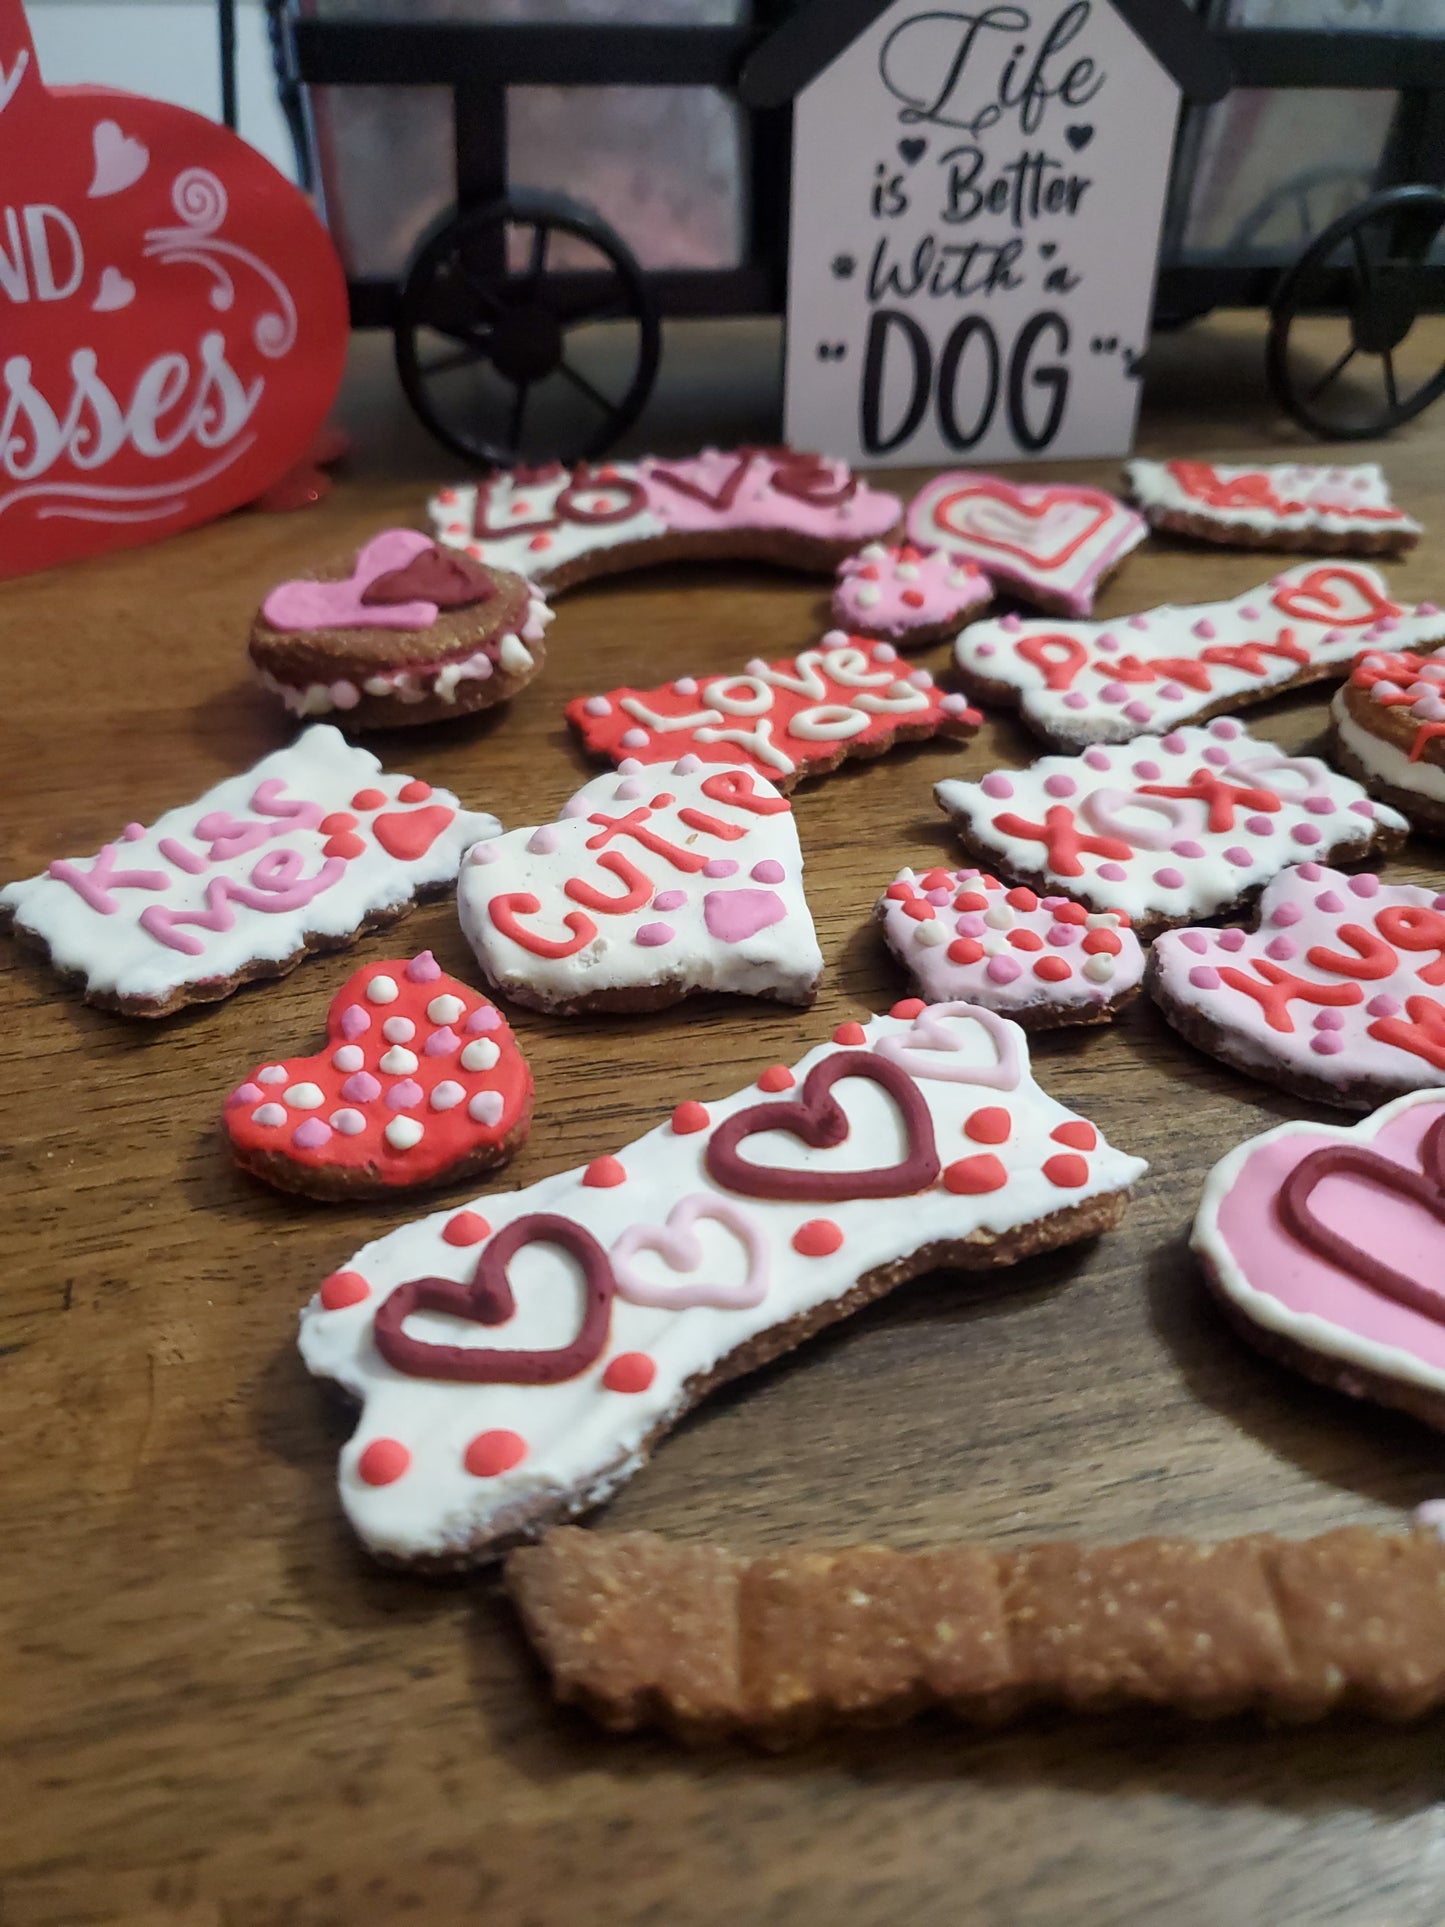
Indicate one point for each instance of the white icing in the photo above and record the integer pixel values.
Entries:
(118, 956)
(583, 1440)
(1385, 761)
(1328, 497)
(537, 552)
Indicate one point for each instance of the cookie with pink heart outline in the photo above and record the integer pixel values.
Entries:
(1076, 683)
(1052, 544)
(404, 632)
(1326, 1248)
(1277, 505)
(652, 885)
(419, 1082)
(305, 851)
(496, 1401)
(905, 595)
(1044, 961)
(1338, 995)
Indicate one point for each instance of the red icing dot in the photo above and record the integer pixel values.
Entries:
(912, 598)
(1103, 940)
(938, 880)
(1066, 1170)
(1070, 913)
(818, 1238)
(900, 892)
(777, 1077)
(850, 1033)
(690, 1116)
(1022, 899)
(988, 1126)
(868, 574)
(907, 1007)
(414, 792)
(970, 900)
(919, 908)
(491, 1453)
(969, 1176)
(964, 950)
(466, 1228)
(383, 1461)
(629, 1372)
(1079, 1135)
(368, 799)
(343, 1288)
(603, 1173)
(344, 845)
(336, 822)
(1025, 939)
(1052, 970)
(540, 542)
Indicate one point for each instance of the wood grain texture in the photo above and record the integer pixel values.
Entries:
(216, 1711)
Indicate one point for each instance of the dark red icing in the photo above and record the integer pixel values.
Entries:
(444, 576)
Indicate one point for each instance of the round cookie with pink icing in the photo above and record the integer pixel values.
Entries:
(406, 631)
(1326, 1250)
(1044, 961)
(907, 596)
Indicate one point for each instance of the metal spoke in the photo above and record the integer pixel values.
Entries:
(515, 419)
(537, 261)
(1362, 257)
(465, 356)
(581, 383)
(1391, 391)
(1325, 379)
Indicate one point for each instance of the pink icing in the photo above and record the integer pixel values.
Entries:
(893, 591)
(732, 916)
(298, 606)
(755, 503)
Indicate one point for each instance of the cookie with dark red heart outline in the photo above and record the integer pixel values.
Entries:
(420, 1082)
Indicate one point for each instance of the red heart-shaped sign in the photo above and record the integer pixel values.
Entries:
(175, 318)
(489, 1300)
(1337, 595)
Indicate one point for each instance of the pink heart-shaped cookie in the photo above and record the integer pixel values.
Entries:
(420, 1081)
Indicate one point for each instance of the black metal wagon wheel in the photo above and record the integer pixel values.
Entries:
(494, 314)
(1369, 267)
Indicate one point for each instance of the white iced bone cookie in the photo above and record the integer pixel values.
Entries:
(652, 883)
(1297, 505)
(1105, 682)
(516, 1360)
(312, 845)
(1167, 829)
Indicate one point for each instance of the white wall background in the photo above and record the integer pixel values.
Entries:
(168, 49)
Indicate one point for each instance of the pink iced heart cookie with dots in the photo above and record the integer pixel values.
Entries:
(653, 883)
(305, 851)
(798, 717)
(1077, 683)
(1344, 510)
(1326, 1248)
(1044, 961)
(420, 1082)
(1052, 544)
(517, 1360)
(1167, 829)
(907, 595)
(1338, 995)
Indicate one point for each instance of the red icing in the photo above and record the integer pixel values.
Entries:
(1066, 1170)
(368, 799)
(991, 1125)
(344, 1288)
(777, 1077)
(383, 1462)
(1337, 595)
(412, 835)
(1276, 988)
(604, 1173)
(1078, 1134)
(690, 1116)
(466, 1228)
(1063, 839)
(505, 910)
(1421, 1030)
(908, 1007)
(444, 577)
(969, 1177)
(1043, 652)
(818, 1238)
(629, 1372)
(414, 791)
(1043, 503)
(736, 786)
(637, 887)
(964, 950)
(1413, 927)
(492, 1453)
(1403, 670)
(1256, 491)
(1220, 798)
(1052, 970)
(1373, 957)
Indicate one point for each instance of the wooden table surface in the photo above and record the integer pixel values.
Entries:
(218, 1711)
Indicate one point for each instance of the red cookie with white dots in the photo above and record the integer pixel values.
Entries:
(1044, 961)
(420, 1082)
(517, 1360)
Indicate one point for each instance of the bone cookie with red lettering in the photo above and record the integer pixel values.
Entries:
(652, 884)
(801, 716)
(1105, 682)
(1326, 1249)
(306, 851)
(420, 1082)
(560, 527)
(1043, 961)
(404, 632)
(1052, 544)
(1388, 729)
(1167, 829)
(517, 1361)
(1282, 505)
(908, 596)
(1338, 996)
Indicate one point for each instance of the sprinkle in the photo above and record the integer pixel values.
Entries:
(1365, 886)
(480, 1055)
(398, 1030)
(403, 1133)
(311, 1135)
(350, 1123)
(634, 739)
(269, 1114)
(1240, 858)
(1060, 785)
(1281, 949)
(383, 990)
(1231, 939)
(447, 1095)
(1305, 833)
(1327, 1042)
(652, 935)
(1169, 879)
(305, 1097)
(767, 871)
(486, 1108)
(996, 784)
(1113, 872)
(444, 1010)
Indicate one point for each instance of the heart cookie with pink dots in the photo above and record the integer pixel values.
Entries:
(419, 1082)
(906, 595)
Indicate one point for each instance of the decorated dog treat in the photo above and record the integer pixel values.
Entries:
(1326, 1248)
(651, 884)
(1044, 961)
(1106, 682)
(1388, 725)
(800, 716)
(1049, 543)
(1282, 505)
(307, 850)
(905, 595)
(560, 526)
(420, 1082)
(1167, 829)
(641, 1631)
(406, 632)
(497, 1401)
(1339, 995)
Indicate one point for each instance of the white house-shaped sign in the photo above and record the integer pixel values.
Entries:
(976, 204)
